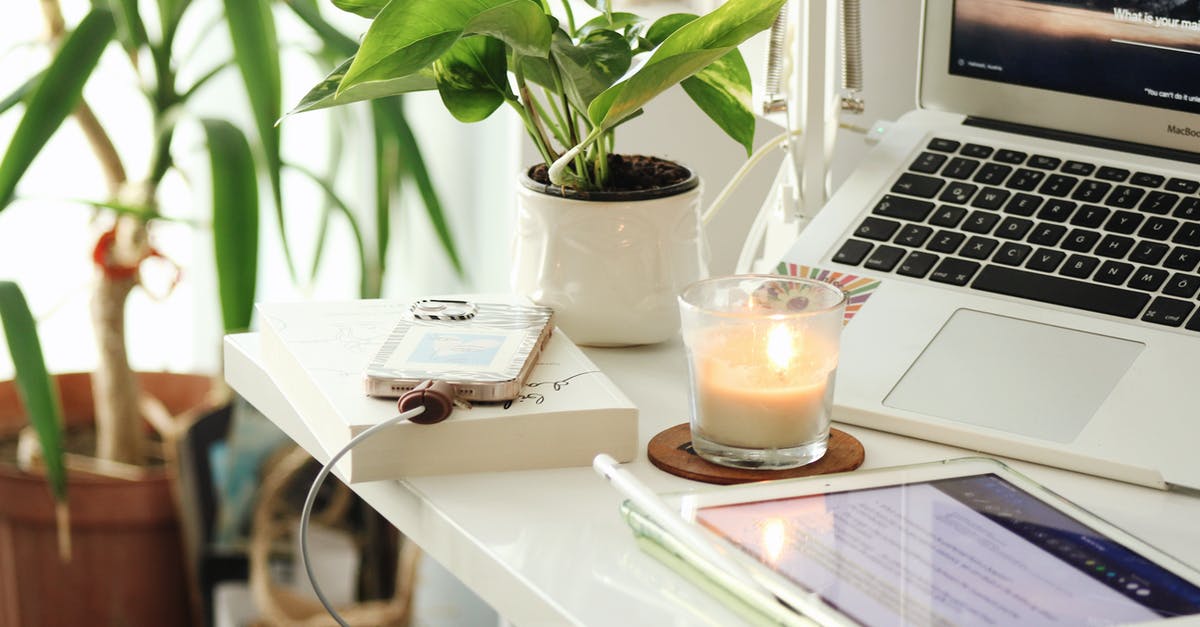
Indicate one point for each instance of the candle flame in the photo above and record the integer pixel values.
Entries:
(780, 346)
(774, 539)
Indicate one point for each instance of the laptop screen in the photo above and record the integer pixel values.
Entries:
(1137, 51)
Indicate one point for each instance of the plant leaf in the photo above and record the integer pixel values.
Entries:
(365, 8)
(20, 93)
(130, 31)
(54, 97)
(620, 21)
(256, 50)
(472, 78)
(325, 94)
(412, 164)
(592, 66)
(722, 90)
(387, 180)
(337, 203)
(308, 13)
(688, 50)
(234, 221)
(407, 36)
(34, 383)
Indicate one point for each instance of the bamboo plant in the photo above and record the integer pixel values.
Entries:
(572, 83)
(236, 159)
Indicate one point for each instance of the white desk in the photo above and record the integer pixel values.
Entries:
(549, 547)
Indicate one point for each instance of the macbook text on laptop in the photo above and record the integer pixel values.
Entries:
(1036, 226)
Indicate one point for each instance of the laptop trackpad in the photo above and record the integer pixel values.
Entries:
(1014, 375)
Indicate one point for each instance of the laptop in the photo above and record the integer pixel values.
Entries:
(1035, 224)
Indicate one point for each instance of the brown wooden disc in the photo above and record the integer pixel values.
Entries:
(672, 452)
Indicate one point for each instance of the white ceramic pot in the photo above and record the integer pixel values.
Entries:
(610, 268)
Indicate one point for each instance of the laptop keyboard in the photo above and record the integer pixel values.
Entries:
(1077, 234)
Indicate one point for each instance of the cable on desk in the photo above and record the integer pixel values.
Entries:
(431, 402)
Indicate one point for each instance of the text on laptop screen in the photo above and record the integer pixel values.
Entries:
(966, 550)
(1139, 51)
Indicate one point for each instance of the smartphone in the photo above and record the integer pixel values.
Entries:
(486, 350)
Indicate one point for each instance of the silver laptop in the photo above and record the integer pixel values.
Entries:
(1036, 226)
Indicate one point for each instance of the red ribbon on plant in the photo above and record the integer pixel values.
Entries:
(103, 258)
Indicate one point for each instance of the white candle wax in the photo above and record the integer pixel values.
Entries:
(763, 391)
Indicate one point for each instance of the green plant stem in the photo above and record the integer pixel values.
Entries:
(533, 122)
(559, 123)
(538, 141)
(566, 4)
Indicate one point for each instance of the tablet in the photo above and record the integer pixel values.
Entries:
(958, 542)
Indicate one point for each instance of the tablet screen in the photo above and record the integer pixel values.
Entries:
(966, 550)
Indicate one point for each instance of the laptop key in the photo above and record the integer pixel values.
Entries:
(1124, 197)
(1025, 180)
(1058, 185)
(946, 241)
(1182, 258)
(918, 185)
(877, 229)
(1188, 209)
(928, 162)
(853, 252)
(954, 271)
(1149, 253)
(943, 145)
(960, 168)
(977, 150)
(1168, 311)
(1182, 285)
(958, 193)
(1148, 279)
(1160, 203)
(1113, 272)
(1079, 266)
(904, 208)
(1157, 228)
(990, 198)
(884, 258)
(1045, 259)
(1047, 234)
(1043, 162)
(1014, 157)
(1078, 167)
(1091, 216)
(1091, 191)
(1183, 186)
(993, 173)
(1188, 235)
(1114, 246)
(913, 235)
(980, 222)
(948, 216)
(1011, 254)
(979, 247)
(1055, 290)
(1057, 210)
(1013, 228)
(1023, 204)
(1108, 173)
(917, 264)
(1145, 179)
(1124, 222)
(1081, 240)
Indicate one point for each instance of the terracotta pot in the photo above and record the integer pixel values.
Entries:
(127, 565)
(611, 265)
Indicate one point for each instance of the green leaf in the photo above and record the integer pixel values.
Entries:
(130, 30)
(688, 50)
(408, 36)
(337, 203)
(412, 164)
(234, 221)
(620, 21)
(472, 78)
(365, 8)
(54, 97)
(34, 383)
(387, 180)
(20, 93)
(592, 66)
(325, 94)
(256, 50)
(308, 13)
(721, 90)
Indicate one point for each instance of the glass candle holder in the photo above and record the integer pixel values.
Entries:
(762, 354)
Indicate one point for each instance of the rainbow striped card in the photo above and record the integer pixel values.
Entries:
(857, 288)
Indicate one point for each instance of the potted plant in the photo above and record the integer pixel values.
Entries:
(605, 239)
(127, 566)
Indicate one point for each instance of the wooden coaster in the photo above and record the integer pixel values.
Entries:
(672, 452)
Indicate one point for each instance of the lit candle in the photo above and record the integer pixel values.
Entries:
(759, 392)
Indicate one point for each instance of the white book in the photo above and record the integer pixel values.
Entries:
(316, 353)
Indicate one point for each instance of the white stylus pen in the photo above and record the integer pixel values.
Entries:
(654, 508)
